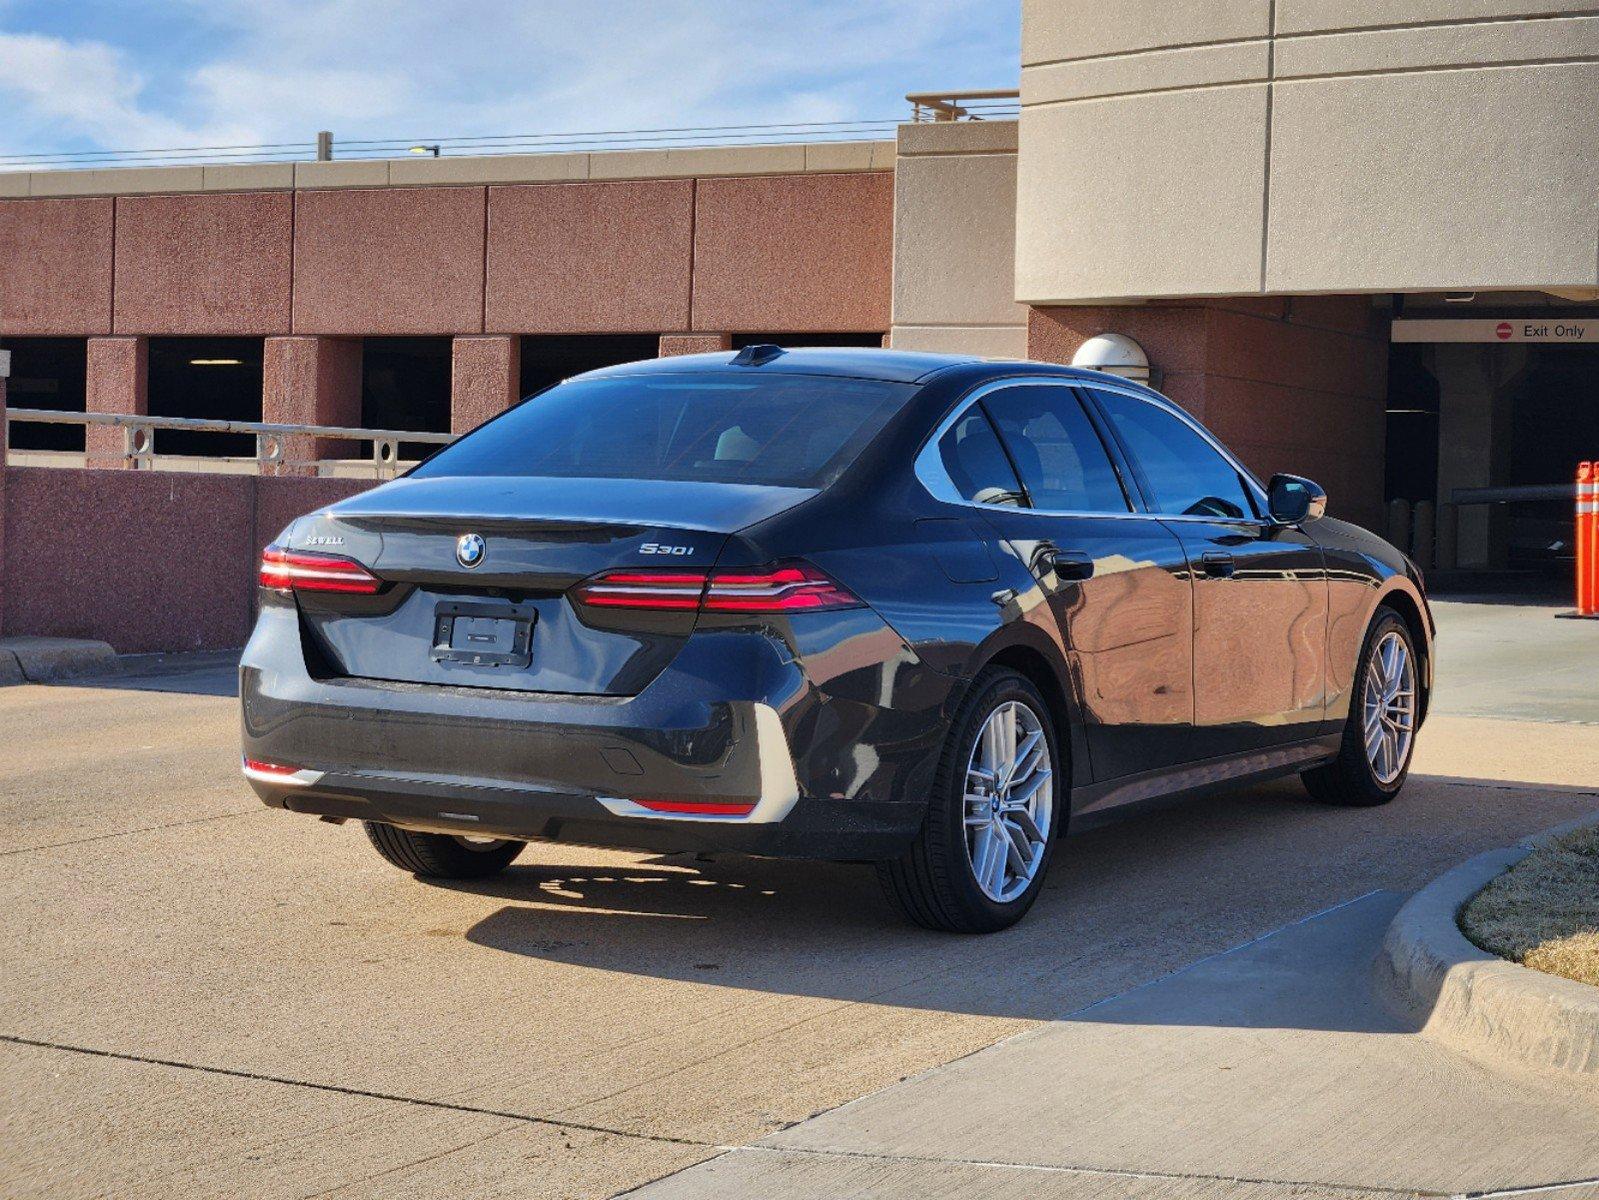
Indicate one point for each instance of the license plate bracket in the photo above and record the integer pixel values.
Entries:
(483, 633)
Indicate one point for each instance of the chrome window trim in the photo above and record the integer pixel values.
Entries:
(929, 464)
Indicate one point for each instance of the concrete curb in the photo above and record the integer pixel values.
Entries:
(49, 660)
(1477, 1002)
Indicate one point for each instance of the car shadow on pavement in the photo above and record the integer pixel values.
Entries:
(1124, 904)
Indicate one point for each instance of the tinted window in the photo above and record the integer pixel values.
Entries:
(1058, 454)
(1182, 471)
(793, 430)
(976, 463)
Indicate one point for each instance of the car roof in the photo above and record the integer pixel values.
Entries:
(857, 362)
(854, 362)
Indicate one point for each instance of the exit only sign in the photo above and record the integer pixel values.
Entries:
(1500, 329)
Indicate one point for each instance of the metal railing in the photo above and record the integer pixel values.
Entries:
(1518, 494)
(997, 104)
(325, 147)
(138, 437)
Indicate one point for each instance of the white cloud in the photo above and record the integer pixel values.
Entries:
(277, 71)
(59, 91)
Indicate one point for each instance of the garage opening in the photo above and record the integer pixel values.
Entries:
(547, 359)
(1411, 469)
(1488, 417)
(405, 384)
(46, 373)
(1553, 409)
(215, 379)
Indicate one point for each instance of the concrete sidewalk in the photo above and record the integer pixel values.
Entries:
(1268, 1070)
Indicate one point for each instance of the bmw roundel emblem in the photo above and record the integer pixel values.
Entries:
(469, 550)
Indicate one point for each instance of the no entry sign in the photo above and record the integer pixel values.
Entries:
(1563, 330)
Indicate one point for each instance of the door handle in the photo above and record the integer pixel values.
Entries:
(1067, 564)
(1217, 565)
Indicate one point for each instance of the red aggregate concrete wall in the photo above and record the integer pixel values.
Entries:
(145, 560)
(55, 266)
(1290, 383)
(117, 380)
(389, 261)
(485, 376)
(784, 253)
(214, 264)
(312, 381)
(675, 344)
(590, 257)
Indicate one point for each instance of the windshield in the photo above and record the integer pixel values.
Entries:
(787, 430)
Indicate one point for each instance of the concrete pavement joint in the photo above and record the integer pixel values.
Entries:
(106, 837)
(363, 1093)
(1110, 1172)
(1034, 1029)
(1198, 962)
(1533, 1190)
(1493, 786)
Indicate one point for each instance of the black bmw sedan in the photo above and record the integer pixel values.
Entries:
(917, 611)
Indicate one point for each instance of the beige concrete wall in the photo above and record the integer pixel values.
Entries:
(1174, 148)
(954, 240)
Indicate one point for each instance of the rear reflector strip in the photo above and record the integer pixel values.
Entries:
(787, 587)
(270, 772)
(284, 570)
(700, 808)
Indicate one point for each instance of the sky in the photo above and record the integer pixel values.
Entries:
(144, 74)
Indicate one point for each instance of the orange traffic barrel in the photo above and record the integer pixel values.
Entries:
(1588, 539)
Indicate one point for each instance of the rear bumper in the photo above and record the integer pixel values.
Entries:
(715, 730)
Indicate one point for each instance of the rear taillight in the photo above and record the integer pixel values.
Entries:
(701, 808)
(783, 588)
(643, 589)
(284, 570)
(793, 587)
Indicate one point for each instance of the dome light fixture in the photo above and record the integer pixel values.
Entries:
(1115, 354)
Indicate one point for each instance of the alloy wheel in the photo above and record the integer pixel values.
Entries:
(478, 845)
(1389, 707)
(1009, 802)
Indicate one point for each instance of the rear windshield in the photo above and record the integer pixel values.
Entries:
(787, 430)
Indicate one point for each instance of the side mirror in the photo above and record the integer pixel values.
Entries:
(1293, 499)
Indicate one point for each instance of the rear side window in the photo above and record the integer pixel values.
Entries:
(976, 463)
(1184, 474)
(785, 430)
(1057, 452)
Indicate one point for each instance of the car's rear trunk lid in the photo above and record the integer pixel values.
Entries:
(477, 575)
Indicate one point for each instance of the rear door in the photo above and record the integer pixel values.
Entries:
(1260, 589)
(1114, 581)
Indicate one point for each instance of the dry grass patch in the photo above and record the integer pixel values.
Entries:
(1544, 911)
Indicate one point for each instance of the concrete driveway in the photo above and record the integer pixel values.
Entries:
(202, 997)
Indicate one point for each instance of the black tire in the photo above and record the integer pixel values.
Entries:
(1349, 781)
(439, 856)
(933, 884)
